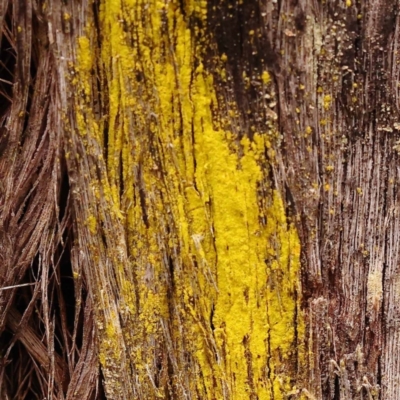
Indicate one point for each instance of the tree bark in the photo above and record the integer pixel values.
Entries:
(199, 199)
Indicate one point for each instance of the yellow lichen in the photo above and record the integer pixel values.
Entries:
(266, 77)
(327, 101)
(92, 224)
(190, 194)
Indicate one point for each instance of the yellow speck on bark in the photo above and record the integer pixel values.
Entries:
(213, 266)
(92, 223)
(327, 101)
(266, 77)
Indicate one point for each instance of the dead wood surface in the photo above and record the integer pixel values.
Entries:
(333, 105)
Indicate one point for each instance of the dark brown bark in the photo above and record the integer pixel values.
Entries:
(339, 113)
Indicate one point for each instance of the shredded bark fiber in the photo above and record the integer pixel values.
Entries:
(47, 342)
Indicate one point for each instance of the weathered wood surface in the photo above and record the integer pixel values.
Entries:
(339, 117)
(202, 197)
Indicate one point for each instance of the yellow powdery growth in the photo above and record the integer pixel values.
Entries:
(266, 77)
(214, 266)
(257, 268)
